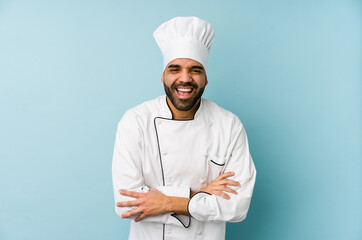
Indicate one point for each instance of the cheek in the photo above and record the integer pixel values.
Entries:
(168, 81)
(201, 82)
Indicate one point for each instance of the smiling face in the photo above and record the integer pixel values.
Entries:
(184, 81)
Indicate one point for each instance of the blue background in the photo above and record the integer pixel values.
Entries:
(291, 71)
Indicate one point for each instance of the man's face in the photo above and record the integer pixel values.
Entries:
(184, 81)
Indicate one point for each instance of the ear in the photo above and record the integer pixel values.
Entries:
(162, 77)
(206, 82)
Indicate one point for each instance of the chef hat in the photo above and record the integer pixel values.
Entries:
(185, 37)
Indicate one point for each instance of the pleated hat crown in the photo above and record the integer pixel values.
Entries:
(185, 37)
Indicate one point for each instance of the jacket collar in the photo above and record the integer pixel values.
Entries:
(166, 111)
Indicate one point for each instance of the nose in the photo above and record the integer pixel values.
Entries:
(185, 76)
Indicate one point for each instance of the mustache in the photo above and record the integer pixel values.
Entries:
(190, 84)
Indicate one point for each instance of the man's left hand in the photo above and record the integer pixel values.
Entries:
(147, 204)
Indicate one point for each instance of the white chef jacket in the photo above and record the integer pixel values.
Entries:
(178, 156)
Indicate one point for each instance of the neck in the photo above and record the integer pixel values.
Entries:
(183, 115)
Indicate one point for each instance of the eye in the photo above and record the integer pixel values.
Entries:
(198, 71)
(173, 70)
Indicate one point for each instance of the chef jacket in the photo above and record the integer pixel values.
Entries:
(152, 150)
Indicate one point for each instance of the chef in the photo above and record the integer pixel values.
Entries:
(181, 165)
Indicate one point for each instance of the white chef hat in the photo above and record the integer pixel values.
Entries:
(185, 37)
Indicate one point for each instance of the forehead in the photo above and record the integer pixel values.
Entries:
(184, 62)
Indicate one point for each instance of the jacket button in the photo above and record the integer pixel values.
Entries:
(198, 233)
(165, 154)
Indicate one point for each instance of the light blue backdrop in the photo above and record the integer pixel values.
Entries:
(291, 70)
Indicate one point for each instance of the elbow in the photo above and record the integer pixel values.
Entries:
(238, 212)
(239, 217)
(216, 209)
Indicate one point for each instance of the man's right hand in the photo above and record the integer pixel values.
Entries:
(219, 186)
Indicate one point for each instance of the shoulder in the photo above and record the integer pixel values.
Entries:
(221, 115)
(142, 111)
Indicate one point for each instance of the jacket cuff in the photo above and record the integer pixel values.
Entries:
(198, 206)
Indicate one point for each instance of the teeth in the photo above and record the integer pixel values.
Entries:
(184, 89)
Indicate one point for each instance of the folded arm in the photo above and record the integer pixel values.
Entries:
(210, 207)
(154, 203)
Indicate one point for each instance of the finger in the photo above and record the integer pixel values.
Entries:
(132, 213)
(140, 217)
(131, 193)
(230, 182)
(223, 188)
(222, 194)
(229, 190)
(225, 175)
(128, 203)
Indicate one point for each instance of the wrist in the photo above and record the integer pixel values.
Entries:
(168, 204)
(176, 205)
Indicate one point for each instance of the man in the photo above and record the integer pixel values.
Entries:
(181, 165)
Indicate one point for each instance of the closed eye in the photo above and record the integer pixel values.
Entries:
(197, 69)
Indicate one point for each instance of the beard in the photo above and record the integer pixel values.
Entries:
(184, 104)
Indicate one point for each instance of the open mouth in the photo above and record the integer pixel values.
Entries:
(184, 92)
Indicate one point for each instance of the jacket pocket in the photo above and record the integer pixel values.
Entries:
(216, 167)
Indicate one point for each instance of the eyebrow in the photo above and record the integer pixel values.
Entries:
(174, 66)
(178, 66)
(197, 67)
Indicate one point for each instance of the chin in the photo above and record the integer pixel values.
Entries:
(183, 104)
